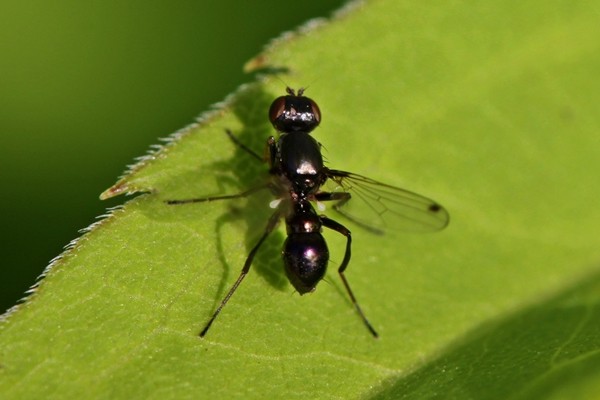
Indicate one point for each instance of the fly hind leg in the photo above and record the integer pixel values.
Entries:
(273, 221)
(336, 226)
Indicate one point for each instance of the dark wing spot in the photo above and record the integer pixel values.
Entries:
(435, 208)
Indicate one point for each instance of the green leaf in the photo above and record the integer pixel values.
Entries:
(491, 109)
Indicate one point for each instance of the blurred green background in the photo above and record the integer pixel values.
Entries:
(85, 87)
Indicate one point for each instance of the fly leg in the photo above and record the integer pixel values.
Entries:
(225, 197)
(241, 145)
(273, 221)
(331, 224)
(342, 198)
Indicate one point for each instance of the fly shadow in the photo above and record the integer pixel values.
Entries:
(251, 107)
(233, 176)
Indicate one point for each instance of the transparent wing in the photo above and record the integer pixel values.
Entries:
(379, 207)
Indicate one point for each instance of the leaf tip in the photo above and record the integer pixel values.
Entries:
(114, 190)
(256, 63)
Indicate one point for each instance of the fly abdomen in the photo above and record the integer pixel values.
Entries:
(305, 256)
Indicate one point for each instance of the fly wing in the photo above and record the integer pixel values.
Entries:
(379, 207)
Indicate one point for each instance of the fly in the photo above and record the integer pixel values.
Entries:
(297, 176)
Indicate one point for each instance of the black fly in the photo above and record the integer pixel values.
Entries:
(297, 176)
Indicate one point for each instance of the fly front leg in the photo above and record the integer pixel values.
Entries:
(336, 226)
(242, 146)
(271, 151)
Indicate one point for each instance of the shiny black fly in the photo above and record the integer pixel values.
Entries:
(297, 177)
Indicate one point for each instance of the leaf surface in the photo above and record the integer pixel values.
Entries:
(490, 109)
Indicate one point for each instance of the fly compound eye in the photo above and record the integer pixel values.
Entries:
(314, 108)
(277, 109)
